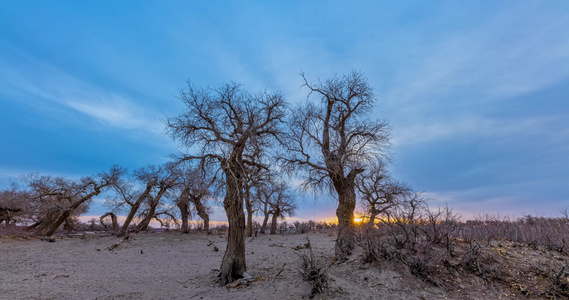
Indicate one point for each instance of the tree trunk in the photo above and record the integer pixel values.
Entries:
(202, 213)
(372, 214)
(249, 221)
(143, 225)
(184, 212)
(249, 208)
(345, 213)
(274, 222)
(233, 264)
(265, 220)
(135, 208)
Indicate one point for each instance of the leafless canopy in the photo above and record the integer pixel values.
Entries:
(335, 138)
(218, 121)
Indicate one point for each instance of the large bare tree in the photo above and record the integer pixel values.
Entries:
(222, 123)
(333, 141)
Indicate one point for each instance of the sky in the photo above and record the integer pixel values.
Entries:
(476, 92)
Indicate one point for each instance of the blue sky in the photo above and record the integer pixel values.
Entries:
(477, 92)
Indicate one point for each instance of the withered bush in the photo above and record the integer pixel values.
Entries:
(312, 271)
(436, 246)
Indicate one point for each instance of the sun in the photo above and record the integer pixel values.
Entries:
(358, 220)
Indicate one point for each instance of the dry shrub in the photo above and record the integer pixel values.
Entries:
(312, 271)
(437, 247)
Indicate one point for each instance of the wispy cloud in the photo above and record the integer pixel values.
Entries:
(40, 84)
(480, 127)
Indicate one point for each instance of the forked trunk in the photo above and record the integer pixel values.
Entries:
(233, 264)
(143, 225)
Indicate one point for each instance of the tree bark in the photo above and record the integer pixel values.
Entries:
(184, 212)
(373, 213)
(265, 220)
(249, 208)
(233, 264)
(249, 219)
(274, 222)
(345, 212)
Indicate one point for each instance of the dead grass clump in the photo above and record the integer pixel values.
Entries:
(312, 271)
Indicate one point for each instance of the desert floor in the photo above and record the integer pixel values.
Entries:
(184, 266)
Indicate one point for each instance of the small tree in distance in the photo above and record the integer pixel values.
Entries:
(223, 123)
(282, 203)
(379, 192)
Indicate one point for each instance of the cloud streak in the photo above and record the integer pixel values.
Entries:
(41, 85)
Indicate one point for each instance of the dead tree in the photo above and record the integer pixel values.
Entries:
(197, 188)
(114, 222)
(164, 177)
(333, 141)
(156, 180)
(281, 204)
(57, 199)
(379, 192)
(263, 194)
(222, 123)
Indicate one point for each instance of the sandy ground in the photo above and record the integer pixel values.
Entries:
(176, 266)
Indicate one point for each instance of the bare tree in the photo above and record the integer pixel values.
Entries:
(222, 123)
(56, 199)
(197, 188)
(164, 177)
(333, 142)
(282, 203)
(141, 193)
(263, 194)
(379, 192)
